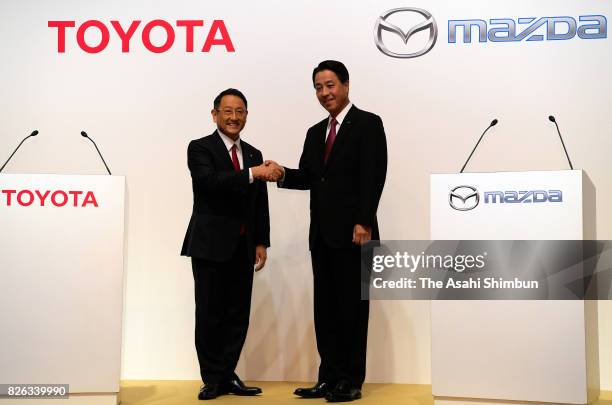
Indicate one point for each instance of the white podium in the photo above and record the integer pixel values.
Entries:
(493, 352)
(61, 294)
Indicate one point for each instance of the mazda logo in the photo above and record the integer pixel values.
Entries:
(383, 24)
(463, 198)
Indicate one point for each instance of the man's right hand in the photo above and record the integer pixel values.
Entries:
(268, 171)
(279, 171)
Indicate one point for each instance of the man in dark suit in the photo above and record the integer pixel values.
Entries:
(227, 237)
(344, 165)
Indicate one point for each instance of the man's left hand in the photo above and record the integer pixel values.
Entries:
(260, 257)
(362, 234)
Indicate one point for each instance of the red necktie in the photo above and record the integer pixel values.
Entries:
(235, 160)
(330, 138)
(236, 163)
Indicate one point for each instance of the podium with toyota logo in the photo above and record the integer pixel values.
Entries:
(493, 352)
(61, 298)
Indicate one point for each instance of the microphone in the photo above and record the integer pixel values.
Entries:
(84, 134)
(34, 133)
(492, 124)
(554, 121)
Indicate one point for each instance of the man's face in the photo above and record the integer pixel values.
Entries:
(332, 94)
(231, 116)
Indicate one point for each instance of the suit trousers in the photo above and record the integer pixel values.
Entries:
(223, 305)
(341, 316)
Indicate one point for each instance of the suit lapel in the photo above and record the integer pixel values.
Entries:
(341, 136)
(248, 158)
(222, 151)
(320, 144)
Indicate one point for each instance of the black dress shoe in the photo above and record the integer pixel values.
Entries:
(316, 391)
(237, 387)
(343, 392)
(210, 390)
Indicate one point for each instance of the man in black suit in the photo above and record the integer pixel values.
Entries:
(227, 236)
(344, 165)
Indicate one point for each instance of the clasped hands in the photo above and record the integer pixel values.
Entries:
(268, 171)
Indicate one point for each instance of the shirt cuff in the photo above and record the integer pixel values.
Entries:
(250, 176)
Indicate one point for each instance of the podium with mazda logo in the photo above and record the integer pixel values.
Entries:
(61, 299)
(493, 352)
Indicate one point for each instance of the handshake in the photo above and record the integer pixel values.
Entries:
(268, 171)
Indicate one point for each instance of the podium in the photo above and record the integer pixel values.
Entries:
(510, 352)
(61, 294)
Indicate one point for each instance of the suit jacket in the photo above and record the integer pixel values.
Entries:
(223, 200)
(346, 190)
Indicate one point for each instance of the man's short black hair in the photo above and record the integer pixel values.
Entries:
(337, 67)
(229, 92)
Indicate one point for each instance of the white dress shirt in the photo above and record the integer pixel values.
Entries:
(229, 142)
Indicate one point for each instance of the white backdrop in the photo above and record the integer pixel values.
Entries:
(143, 108)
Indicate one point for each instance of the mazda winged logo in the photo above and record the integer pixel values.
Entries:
(383, 24)
(463, 198)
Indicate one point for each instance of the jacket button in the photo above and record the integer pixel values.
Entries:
(322, 178)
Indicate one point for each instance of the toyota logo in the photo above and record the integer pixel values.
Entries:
(463, 198)
(383, 24)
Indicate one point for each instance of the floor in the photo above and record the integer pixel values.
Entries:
(276, 393)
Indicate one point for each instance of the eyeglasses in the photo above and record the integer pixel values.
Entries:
(228, 112)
